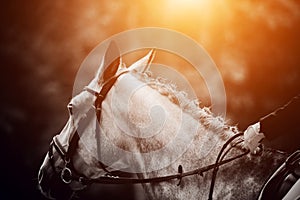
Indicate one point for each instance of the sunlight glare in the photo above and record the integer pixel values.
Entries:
(186, 4)
(188, 10)
(189, 15)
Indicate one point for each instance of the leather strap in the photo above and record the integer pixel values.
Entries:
(283, 179)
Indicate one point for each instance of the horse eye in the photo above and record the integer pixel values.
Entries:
(70, 108)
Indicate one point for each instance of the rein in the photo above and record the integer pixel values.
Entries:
(69, 174)
(110, 179)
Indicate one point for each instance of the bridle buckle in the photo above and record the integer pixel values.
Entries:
(66, 175)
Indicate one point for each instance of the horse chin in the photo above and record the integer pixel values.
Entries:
(52, 187)
(51, 184)
(58, 194)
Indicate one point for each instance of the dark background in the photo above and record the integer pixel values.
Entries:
(42, 44)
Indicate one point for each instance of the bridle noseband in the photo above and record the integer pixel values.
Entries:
(69, 174)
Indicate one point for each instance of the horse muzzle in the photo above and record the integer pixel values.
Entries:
(52, 186)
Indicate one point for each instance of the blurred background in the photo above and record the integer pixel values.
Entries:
(255, 45)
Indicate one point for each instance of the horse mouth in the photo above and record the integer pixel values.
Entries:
(52, 187)
(42, 184)
(45, 193)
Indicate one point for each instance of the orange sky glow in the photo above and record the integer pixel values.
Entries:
(254, 44)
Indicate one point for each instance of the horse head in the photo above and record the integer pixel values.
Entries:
(51, 176)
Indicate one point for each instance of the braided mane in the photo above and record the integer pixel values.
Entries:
(191, 106)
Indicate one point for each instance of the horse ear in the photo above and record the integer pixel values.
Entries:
(110, 62)
(143, 64)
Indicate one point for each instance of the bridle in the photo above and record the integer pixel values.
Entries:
(69, 174)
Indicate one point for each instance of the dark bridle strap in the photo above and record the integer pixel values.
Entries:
(98, 104)
(123, 180)
(218, 160)
(69, 173)
(72, 147)
(102, 94)
(111, 179)
(58, 147)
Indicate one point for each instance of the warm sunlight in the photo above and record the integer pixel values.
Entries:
(178, 7)
(183, 4)
(193, 14)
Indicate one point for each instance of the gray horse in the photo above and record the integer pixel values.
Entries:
(148, 129)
